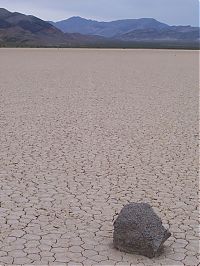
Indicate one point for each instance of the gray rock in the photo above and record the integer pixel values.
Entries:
(138, 229)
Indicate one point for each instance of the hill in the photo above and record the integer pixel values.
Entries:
(144, 29)
(174, 33)
(107, 29)
(19, 30)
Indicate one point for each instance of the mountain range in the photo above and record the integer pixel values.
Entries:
(107, 29)
(146, 29)
(17, 29)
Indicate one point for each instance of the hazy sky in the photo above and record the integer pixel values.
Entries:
(173, 12)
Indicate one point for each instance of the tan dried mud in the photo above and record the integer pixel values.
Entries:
(84, 132)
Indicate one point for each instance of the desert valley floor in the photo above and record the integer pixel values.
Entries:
(82, 133)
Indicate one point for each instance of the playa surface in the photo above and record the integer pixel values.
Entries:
(84, 132)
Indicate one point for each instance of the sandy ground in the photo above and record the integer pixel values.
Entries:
(83, 132)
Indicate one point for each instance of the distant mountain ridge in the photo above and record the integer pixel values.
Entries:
(17, 29)
(173, 33)
(107, 29)
(143, 29)
(20, 29)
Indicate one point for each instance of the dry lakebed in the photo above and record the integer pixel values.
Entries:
(84, 132)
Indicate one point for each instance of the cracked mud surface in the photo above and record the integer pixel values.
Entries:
(83, 132)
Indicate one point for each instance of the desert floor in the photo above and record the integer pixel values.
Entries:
(82, 133)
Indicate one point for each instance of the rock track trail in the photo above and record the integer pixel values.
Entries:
(84, 132)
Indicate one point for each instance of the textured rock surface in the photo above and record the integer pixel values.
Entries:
(139, 229)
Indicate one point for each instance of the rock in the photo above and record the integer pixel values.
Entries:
(138, 229)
